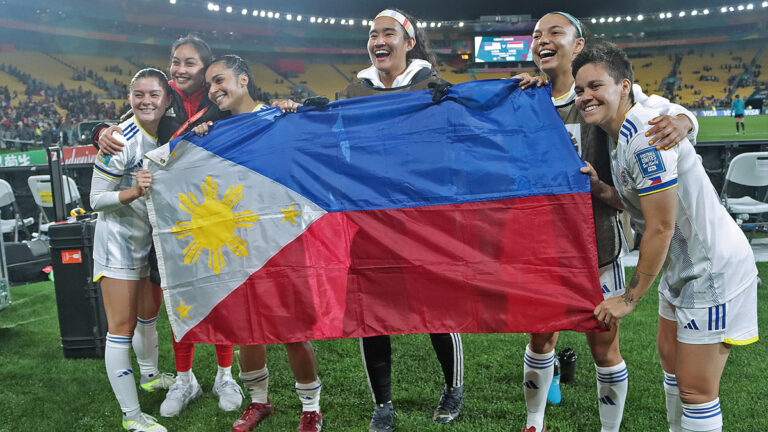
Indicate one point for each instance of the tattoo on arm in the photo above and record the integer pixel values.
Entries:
(629, 295)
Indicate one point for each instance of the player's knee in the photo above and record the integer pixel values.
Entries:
(542, 343)
(694, 395)
(606, 356)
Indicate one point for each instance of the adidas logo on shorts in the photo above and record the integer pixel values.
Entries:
(691, 325)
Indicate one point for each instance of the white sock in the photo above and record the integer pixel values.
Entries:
(224, 372)
(309, 394)
(117, 359)
(538, 370)
(674, 406)
(256, 382)
(145, 346)
(185, 377)
(612, 383)
(706, 417)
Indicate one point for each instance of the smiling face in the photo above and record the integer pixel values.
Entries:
(226, 90)
(187, 69)
(555, 44)
(388, 45)
(148, 100)
(599, 97)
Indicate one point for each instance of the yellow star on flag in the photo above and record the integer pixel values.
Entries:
(183, 310)
(290, 215)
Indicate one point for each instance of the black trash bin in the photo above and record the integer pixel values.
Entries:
(82, 320)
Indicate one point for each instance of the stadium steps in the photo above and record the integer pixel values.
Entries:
(45, 69)
(98, 64)
(343, 75)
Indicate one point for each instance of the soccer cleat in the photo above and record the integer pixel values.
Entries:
(383, 418)
(533, 429)
(229, 393)
(143, 423)
(253, 414)
(311, 421)
(449, 406)
(179, 396)
(157, 382)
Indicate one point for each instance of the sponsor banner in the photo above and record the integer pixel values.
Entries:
(724, 113)
(71, 155)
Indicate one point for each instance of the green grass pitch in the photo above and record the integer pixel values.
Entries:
(41, 390)
(724, 128)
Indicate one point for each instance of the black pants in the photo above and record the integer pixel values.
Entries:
(377, 359)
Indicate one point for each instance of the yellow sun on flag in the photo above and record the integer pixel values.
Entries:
(213, 224)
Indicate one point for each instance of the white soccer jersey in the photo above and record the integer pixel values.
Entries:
(709, 259)
(123, 233)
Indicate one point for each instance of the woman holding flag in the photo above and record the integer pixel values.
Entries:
(402, 61)
(122, 242)
(557, 38)
(232, 88)
(189, 106)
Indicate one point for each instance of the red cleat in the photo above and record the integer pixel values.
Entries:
(311, 421)
(253, 414)
(533, 429)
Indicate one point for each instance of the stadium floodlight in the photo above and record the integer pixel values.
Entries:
(210, 6)
(440, 24)
(244, 11)
(270, 14)
(289, 17)
(432, 24)
(229, 9)
(351, 22)
(723, 9)
(173, 1)
(333, 20)
(730, 9)
(277, 15)
(298, 17)
(640, 17)
(255, 12)
(740, 7)
(669, 14)
(216, 7)
(343, 21)
(263, 13)
(617, 19)
(705, 11)
(628, 18)
(610, 20)
(312, 19)
(662, 15)
(764, 4)
(594, 20)
(602, 20)
(681, 14)
(749, 6)
(461, 23)
(694, 12)
(365, 22)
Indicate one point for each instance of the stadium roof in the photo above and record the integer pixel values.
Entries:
(467, 10)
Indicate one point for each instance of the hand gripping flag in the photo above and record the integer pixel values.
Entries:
(377, 215)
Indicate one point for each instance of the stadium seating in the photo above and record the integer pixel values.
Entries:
(46, 69)
(268, 79)
(650, 71)
(351, 69)
(13, 86)
(98, 65)
(322, 79)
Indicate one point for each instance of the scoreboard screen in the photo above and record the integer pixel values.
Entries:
(503, 49)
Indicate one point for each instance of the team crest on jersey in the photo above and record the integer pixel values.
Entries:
(104, 158)
(650, 162)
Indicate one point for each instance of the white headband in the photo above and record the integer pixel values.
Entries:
(397, 16)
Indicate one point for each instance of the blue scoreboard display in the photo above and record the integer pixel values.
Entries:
(502, 49)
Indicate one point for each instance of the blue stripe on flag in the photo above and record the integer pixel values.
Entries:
(504, 143)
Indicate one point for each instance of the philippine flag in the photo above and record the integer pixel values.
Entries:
(655, 180)
(377, 215)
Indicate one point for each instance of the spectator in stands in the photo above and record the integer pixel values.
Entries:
(738, 112)
(190, 106)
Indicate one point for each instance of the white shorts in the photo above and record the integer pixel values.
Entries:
(100, 271)
(734, 322)
(612, 279)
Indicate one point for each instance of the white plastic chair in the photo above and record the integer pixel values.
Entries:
(7, 198)
(748, 169)
(40, 185)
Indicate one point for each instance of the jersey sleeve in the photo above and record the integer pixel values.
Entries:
(664, 107)
(108, 171)
(651, 170)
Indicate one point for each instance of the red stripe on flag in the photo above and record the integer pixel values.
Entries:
(509, 266)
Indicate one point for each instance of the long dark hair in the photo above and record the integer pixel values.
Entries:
(149, 73)
(421, 49)
(201, 46)
(239, 67)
